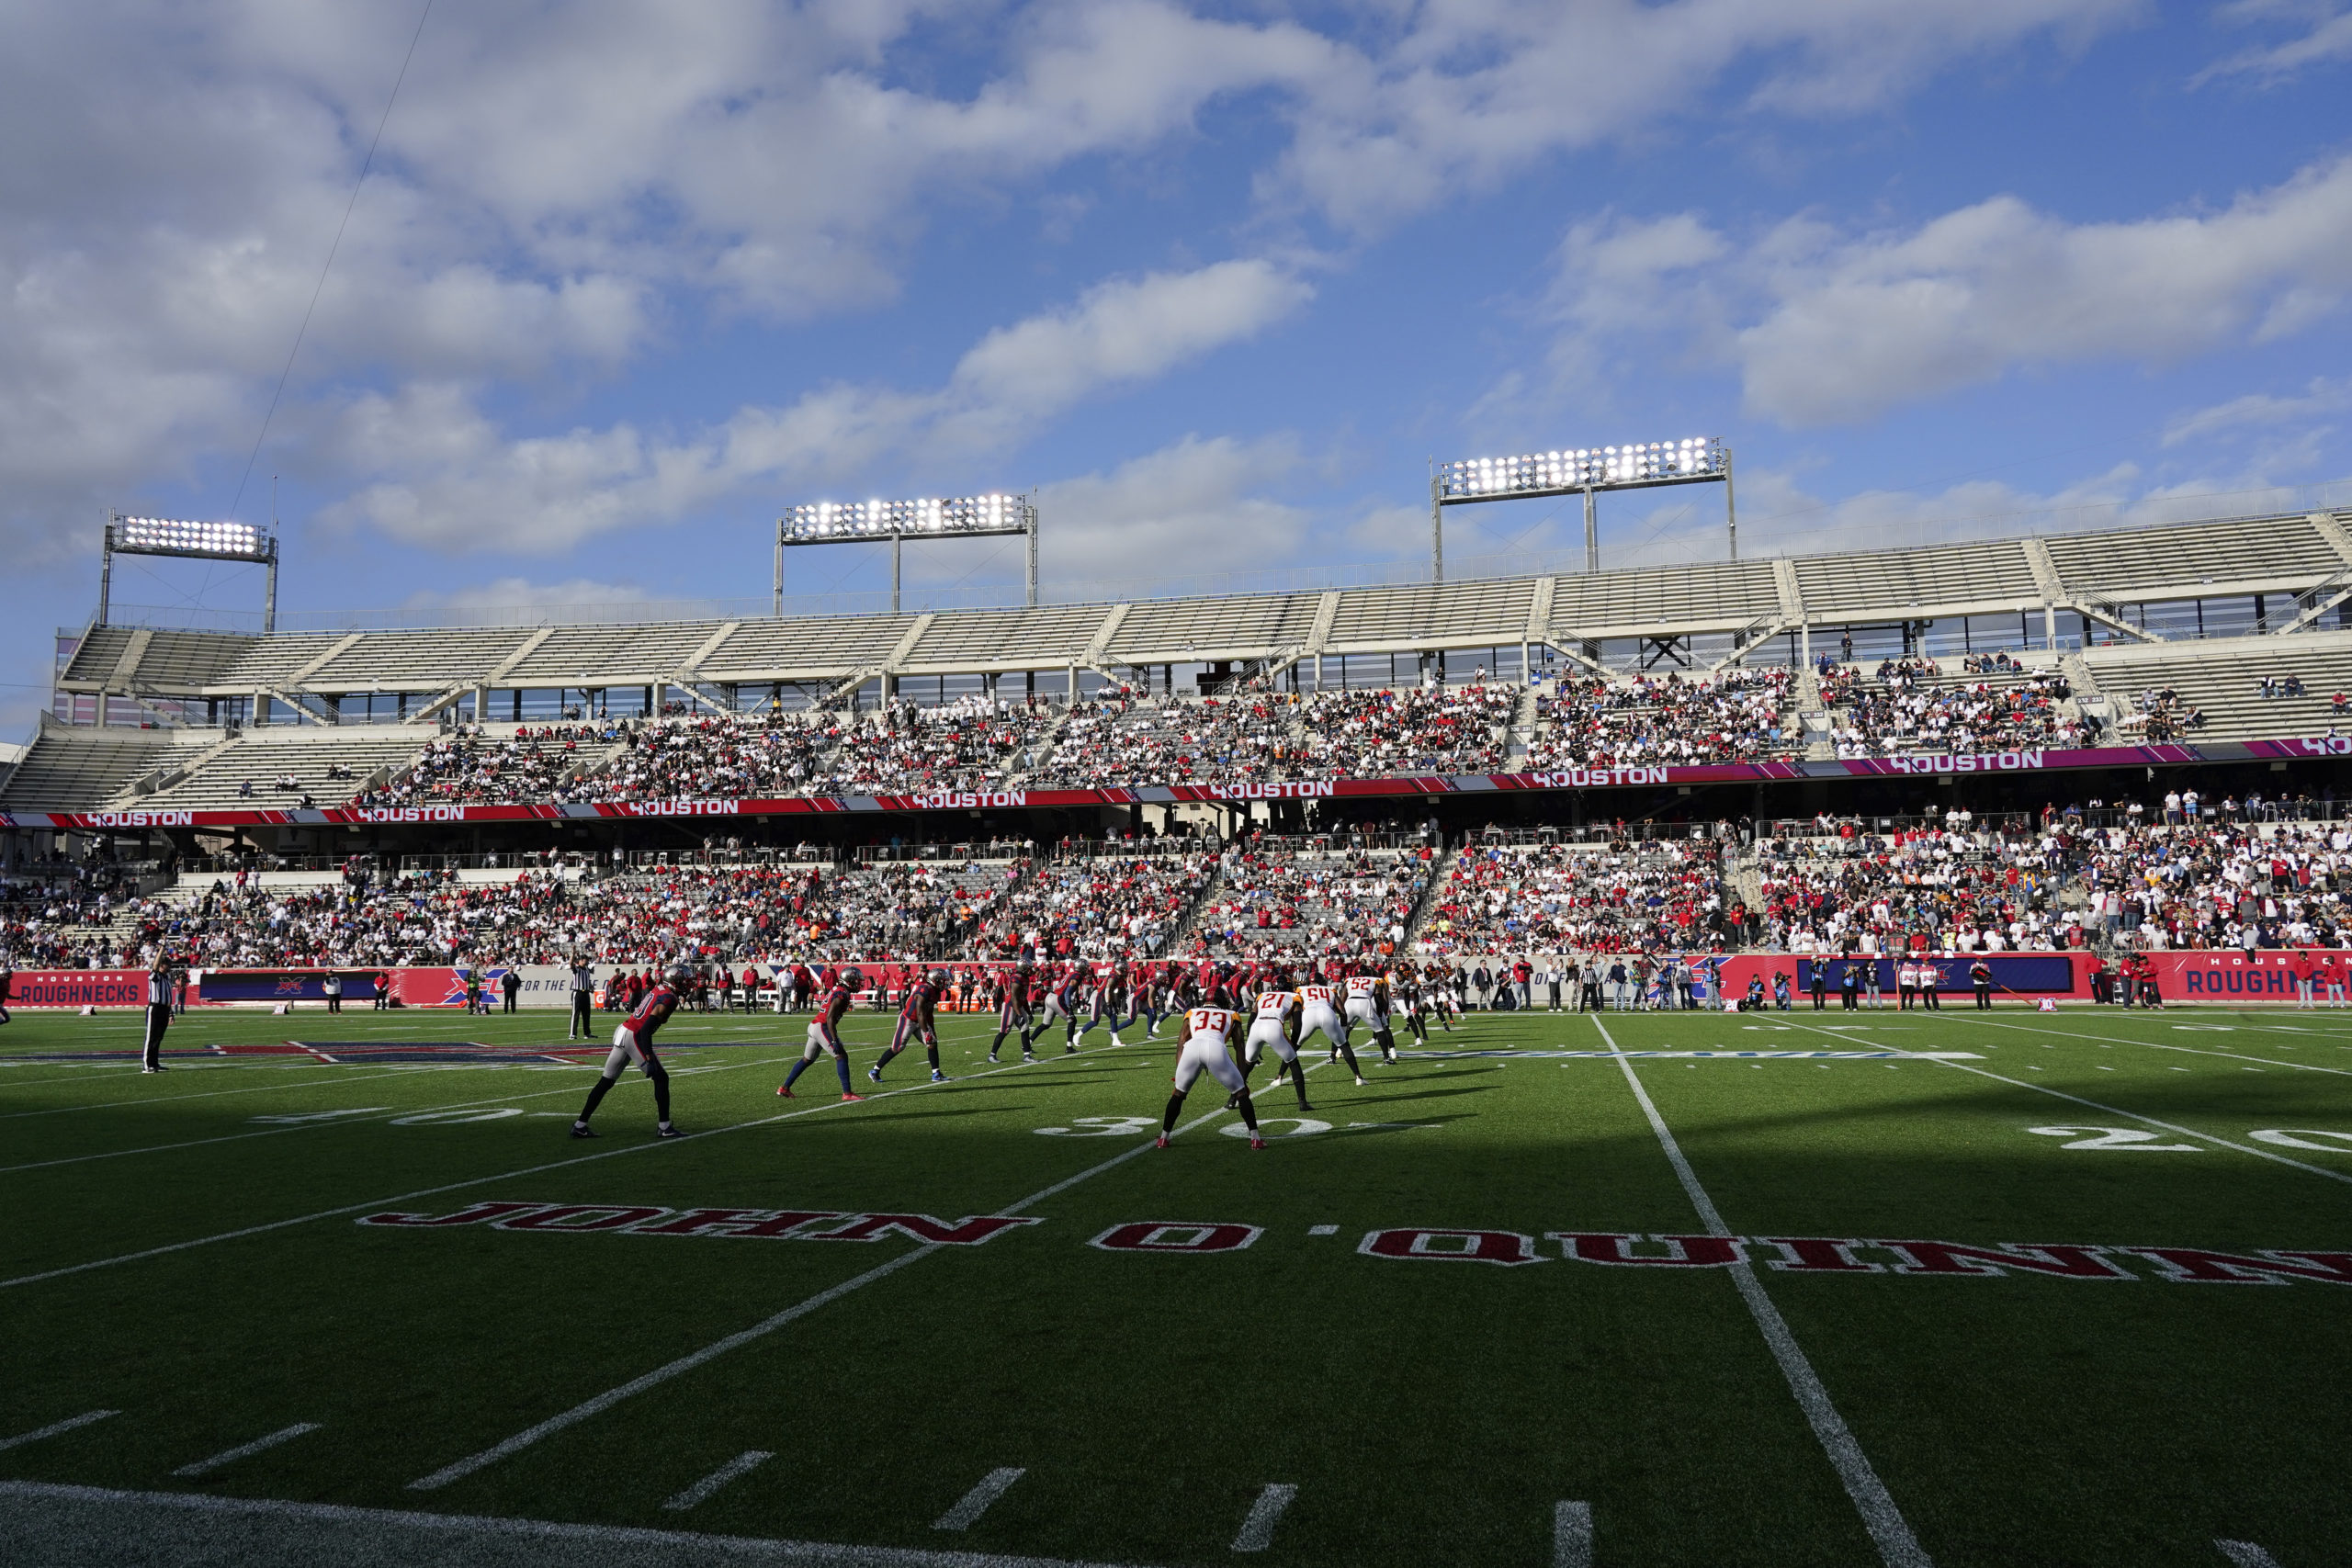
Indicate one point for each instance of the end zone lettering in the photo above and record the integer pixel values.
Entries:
(768, 1225)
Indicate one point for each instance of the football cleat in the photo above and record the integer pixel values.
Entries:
(992, 1058)
(938, 1076)
(874, 1075)
(786, 1090)
(845, 1098)
(668, 1132)
(1256, 1141)
(582, 1130)
(1359, 1083)
(1070, 1050)
(1163, 1142)
(1028, 1056)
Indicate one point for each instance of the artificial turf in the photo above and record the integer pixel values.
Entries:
(1425, 1408)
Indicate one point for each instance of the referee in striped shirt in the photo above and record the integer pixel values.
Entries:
(159, 1013)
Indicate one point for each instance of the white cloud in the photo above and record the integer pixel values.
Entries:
(2328, 40)
(521, 592)
(1173, 514)
(454, 480)
(2260, 411)
(1827, 326)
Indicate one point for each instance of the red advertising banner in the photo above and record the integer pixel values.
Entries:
(2033, 759)
(78, 988)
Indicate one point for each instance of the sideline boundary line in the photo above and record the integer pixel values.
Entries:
(460, 1468)
(378, 1522)
(2163, 1045)
(1888, 1529)
(460, 1186)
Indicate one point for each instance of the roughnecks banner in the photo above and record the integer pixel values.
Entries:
(2033, 759)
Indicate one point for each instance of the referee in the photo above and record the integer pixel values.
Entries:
(584, 983)
(159, 1014)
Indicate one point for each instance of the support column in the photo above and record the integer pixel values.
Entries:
(1033, 559)
(896, 540)
(778, 606)
(1591, 533)
(1731, 515)
(1437, 532)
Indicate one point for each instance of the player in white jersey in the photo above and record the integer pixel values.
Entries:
(1367, 1004)
(1208, 1048)
(1276, 1026)
(1318, 1015)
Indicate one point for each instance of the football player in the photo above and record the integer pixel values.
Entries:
(1208, 1048)
(918, 1019)
(633, 1042)
(825, 1033)
(1275, 1025)
(1317, 1016)
(1013, 1012)
(1368, 1005)
(1103, 995)
(1061, 1002)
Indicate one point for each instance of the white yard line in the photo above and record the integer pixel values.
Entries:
(2161, 1045)
(741, 1465)
(328, 1078)
(2215, 1139)
(267, 1226)
(357, 1119)
(1258, 1530)
(246, 1450)
(2246, 1554)
(1896, 1545)
(973, 1504)
(686, 1363)
(1571, 1535)
(57, 1429)
(143, 1524)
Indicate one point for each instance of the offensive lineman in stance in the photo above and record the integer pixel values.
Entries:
(633, 1042)
(1368, 1005)
(917, 1017)
(1317, 1016)
(825, 1034)
(1276, 1024)
(1208, 1049)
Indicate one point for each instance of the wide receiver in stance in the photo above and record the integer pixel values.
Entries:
(825, 1033)
(633, 1042)
(1208, 1039)
(917, 1018)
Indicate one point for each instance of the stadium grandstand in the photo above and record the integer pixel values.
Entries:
(1351, 735)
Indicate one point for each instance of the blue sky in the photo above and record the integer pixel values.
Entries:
(624, 280)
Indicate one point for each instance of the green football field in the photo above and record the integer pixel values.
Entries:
(1961, 1289)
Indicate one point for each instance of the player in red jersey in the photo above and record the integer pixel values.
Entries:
(1208, 1049)
(1013, 1012)
(917, 1020)
(633, 1042)
(825, 1034)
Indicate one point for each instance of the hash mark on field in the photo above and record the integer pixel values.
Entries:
(1258, 1530)
(56, 1429)
(2246, 1554)
(742, 1464)
(975, 1503)
(246, 1450)
(1322, 1230)
(1571, 1535)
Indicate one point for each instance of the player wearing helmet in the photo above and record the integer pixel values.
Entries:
(917, 1018)
(1276, 1025)
(825, 1034)
(633, 1042)
(1208, 1049)
(1061, 1002)
(1318, 1015)
(1367, 1004)
(1106, 990)
(1013, 1012)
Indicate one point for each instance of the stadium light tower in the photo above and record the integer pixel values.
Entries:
(856, 522)
(1700, 460)
(195, 541)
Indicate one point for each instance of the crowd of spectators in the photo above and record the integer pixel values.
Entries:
(2233, 880)
(1381, 732)
(1736, 715)
(1657, 894)
(1305, 902)
(2159, 714)
(1123, 906)
(970, 743)
(1951, 888)
(713, 757)
(1121, 740)
(468, 768)
(1907, 709)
